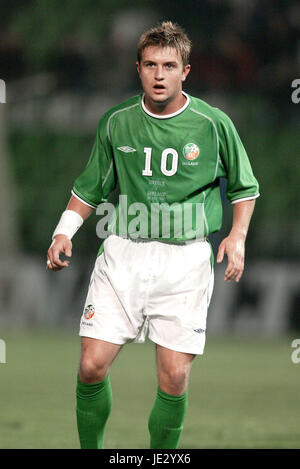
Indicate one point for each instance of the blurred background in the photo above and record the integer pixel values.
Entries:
(63, 64)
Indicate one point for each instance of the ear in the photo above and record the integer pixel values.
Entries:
(138, 67)
(185, 72)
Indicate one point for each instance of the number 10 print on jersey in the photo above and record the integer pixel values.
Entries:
(163, 167)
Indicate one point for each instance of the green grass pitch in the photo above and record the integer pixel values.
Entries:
(242, 394)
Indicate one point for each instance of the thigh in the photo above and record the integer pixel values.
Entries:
(96, 358)
(100, 350)
(177, 309)
(173, 369)
(112, 310)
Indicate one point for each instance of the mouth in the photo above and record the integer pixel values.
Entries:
(159, 88)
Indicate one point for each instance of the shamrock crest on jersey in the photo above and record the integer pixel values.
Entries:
(191, 151)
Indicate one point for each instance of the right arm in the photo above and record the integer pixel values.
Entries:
(93, 186)
(83, 209)
(61, 243)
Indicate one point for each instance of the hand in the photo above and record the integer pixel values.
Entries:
(61, 244)
(234, 247)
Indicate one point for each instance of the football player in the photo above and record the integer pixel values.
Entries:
(154, 272)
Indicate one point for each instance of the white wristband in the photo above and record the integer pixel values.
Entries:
(68, 224)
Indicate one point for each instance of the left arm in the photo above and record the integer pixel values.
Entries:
(234, 244)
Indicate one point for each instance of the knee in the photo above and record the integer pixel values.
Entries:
(174, 381)
(91, 371)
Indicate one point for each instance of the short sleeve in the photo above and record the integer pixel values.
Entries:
(97, 181)
(241, 183)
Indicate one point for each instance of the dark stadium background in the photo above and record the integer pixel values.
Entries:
(66, 62)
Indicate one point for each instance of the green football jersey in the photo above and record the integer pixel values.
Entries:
(167, 169)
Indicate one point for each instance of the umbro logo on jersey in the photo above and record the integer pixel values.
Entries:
(199, 330)
(127, 149)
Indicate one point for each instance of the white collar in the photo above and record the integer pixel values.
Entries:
(167, 116)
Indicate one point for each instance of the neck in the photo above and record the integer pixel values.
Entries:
(166, 107)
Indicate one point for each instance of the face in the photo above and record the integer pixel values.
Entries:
(162, 73)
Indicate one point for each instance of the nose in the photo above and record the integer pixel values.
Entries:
(159, 73)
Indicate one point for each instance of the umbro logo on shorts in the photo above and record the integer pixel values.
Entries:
(127, 149)
(199, 330)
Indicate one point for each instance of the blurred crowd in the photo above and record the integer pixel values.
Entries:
(244, 44)
(238, 46)
(64, 70)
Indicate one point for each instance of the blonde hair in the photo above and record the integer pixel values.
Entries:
(166, 34)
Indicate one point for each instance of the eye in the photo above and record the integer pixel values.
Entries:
(170, 65)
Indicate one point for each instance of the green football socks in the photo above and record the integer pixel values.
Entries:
(166, 420)
(94, 403)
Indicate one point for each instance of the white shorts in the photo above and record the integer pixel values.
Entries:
(150, 287)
